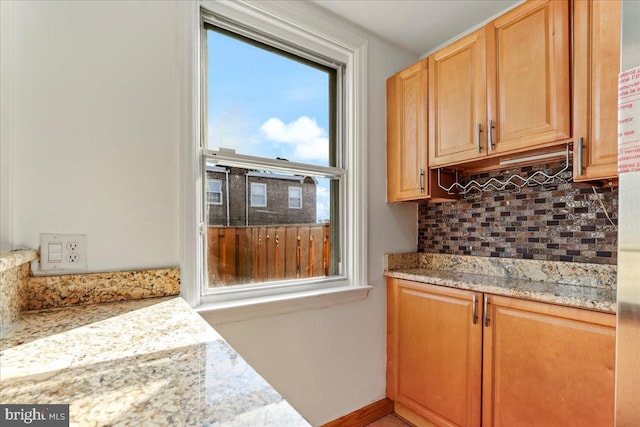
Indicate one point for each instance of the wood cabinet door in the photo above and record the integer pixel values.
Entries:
(595, 95)
(528, 76)
(434, 352)
(458, 101)
(407, 161)
(547, 365)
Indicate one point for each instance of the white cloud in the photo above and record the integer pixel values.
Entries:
(311, 141)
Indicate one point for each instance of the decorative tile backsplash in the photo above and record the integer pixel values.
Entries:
(563, 222)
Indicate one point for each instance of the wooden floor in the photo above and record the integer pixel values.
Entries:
(389, 421)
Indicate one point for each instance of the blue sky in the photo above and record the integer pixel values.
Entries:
(267, 105)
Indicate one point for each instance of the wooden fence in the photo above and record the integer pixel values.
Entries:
(242, 255)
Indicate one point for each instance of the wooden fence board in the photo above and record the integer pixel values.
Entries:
(262, 254)
(229, 260)
(303, 249)
(280, 253)
(291, 252)
(326, 249)
(244, 255)
(254, 253)
(213, 262)
(271, 253)
(316, 243)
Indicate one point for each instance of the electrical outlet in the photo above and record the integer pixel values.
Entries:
(63, 252)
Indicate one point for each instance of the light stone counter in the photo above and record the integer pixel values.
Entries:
(144, 362)
(571, 284)
(574, 296)
(14, 281)
(9, 260)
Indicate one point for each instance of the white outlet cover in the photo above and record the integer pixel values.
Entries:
(74, 253)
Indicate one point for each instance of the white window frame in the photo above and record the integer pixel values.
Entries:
(258, 185)
(299, 191)
(297, 23)
(219, 181)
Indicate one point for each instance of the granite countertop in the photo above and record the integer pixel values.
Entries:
(580, 285)
(144, 362)
(569, 295)
(13, 259)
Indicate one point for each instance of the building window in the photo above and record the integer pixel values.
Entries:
(300, 121)
(258, 195)
(214, 191)
(295, 197)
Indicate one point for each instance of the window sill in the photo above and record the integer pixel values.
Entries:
(237, 311)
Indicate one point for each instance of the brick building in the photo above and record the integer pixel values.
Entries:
(238, 196)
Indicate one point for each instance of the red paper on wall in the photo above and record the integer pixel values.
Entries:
(629, 121)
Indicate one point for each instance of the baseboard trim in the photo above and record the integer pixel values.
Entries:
(411, 417)
(364, 416)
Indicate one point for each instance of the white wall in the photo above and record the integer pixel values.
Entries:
(330, 362)
(6, 121)
(94, 130)
(95, 151)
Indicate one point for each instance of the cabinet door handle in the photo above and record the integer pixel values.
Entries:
(490, 134)
(421, 180)
(578, 153)
(474, 314)
(478, 137)
(486, 311)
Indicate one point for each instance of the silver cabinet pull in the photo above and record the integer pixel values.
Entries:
(478, 137)
(486, 311)
(421, 180)
(578, 154)
(474, 314)
(490, 134)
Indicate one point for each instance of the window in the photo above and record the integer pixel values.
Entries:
(258, 195)
(319, 146)
(295, 197)
(214, 191)
(269, 129)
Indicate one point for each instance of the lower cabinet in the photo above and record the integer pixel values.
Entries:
(434, 352)
(462, 358)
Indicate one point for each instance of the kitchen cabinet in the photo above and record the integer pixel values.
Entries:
(451, 352)
(547, 365)
(408, 175)
(407, 162)
(503, 89)
(595, 94)
(458, 100)
(528, 83)
(434, 354)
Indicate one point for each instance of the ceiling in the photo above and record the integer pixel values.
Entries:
(418, 26)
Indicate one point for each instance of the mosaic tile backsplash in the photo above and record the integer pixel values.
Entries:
(560, 222)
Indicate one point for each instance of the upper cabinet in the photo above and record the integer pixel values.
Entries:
(504, 92)
(595, 96)
(407, 162)
(528, 76)
(408, 174)
(504, 88)
(458, 100)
